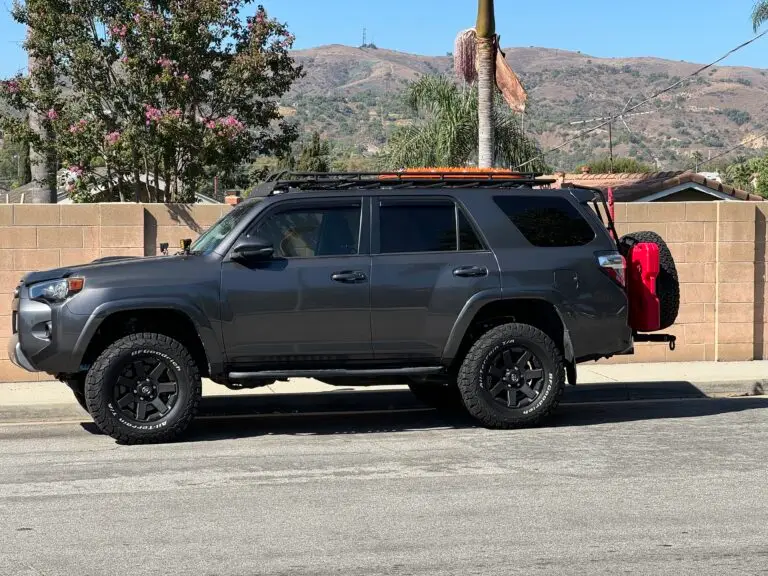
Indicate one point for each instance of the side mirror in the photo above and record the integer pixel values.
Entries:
(252, 249)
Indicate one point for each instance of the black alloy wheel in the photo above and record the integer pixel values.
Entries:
(146, 389)
(143, 388)
(514, 377)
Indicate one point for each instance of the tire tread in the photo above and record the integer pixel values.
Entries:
(94, 390)
(468, 373)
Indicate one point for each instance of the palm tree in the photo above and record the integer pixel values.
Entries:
(759, 14)
(698, 158)
(486, 79)
(447, 130)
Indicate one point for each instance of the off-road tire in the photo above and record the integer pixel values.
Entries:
(105, 371)
(667, 283)
(443, 397)
(479, 403)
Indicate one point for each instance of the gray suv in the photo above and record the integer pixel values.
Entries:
(483, 289)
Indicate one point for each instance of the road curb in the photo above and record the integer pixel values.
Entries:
(370, 400)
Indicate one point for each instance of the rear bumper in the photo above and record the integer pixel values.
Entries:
(16, 355)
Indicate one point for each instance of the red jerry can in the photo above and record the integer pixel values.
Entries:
(642, 271)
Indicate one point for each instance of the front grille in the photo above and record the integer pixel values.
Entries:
(15, 321)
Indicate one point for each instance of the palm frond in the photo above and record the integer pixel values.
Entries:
(759, 14)
(446, 133)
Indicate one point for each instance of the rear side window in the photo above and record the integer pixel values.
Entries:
(546, 221)
(425, 226)
(417, 227)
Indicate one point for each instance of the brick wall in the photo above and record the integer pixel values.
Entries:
(720, 250)
(36, 237)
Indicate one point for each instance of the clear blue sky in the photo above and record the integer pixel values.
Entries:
(691, 30)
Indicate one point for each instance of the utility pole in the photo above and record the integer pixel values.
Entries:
(610, 143)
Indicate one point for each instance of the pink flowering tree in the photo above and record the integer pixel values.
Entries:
(161, 95)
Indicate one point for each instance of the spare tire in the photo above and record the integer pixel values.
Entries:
(667, 283)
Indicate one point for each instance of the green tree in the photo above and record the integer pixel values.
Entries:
(620, 165)
(446, 131)
(14, 162)
(697, 158)
(314, 155)
(741, 174)
(170, 92)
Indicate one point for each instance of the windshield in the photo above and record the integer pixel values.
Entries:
(212, 237)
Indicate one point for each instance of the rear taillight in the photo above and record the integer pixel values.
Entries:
(613, 264)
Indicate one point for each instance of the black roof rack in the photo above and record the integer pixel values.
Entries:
(413, 179)
(424, 178)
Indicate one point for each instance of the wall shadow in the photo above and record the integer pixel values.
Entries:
(150, 234)
(759, 299)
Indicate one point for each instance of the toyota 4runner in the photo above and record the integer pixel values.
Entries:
(484, 288)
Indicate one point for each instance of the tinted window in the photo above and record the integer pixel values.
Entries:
(308, 232)
(546, 221)
(468, 239)
(417, 227)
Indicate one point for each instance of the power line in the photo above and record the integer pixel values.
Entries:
(648, 99)
(740, 145)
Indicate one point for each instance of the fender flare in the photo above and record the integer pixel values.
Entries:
(478, 301)
(205, 331)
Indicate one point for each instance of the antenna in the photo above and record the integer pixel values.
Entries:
(364, 37)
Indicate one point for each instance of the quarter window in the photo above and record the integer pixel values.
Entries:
(547, 221)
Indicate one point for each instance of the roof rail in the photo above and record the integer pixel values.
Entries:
(285, 181)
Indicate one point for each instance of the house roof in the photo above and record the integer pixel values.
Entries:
(634, 187)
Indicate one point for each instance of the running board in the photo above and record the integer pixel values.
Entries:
(285, 374)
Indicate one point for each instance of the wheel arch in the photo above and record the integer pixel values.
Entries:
(177, 320)
(482, 315)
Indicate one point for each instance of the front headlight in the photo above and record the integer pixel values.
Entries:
(56, 290)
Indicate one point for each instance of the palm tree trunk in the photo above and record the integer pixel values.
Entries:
(486, 80)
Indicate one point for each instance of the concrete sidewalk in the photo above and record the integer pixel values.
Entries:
(602, 382)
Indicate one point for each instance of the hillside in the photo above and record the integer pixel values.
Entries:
(353, 96)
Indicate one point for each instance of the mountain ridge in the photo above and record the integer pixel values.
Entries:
(353, 96)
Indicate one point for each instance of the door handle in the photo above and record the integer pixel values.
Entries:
(349, 277)
(470, 271)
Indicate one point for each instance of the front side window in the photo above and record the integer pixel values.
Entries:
(547, 221)
(306, 232)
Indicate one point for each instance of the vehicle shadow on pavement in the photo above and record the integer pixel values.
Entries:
(372, 412)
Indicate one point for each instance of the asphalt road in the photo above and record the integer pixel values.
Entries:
(664, 487)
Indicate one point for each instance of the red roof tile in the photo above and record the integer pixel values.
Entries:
(633, 187)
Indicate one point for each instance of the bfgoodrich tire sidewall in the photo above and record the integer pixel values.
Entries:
(102, 379)
(548, 392)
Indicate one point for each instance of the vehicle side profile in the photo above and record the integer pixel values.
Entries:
(479, 288)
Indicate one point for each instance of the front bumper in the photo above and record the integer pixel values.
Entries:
(16, 354)
(43, 336)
